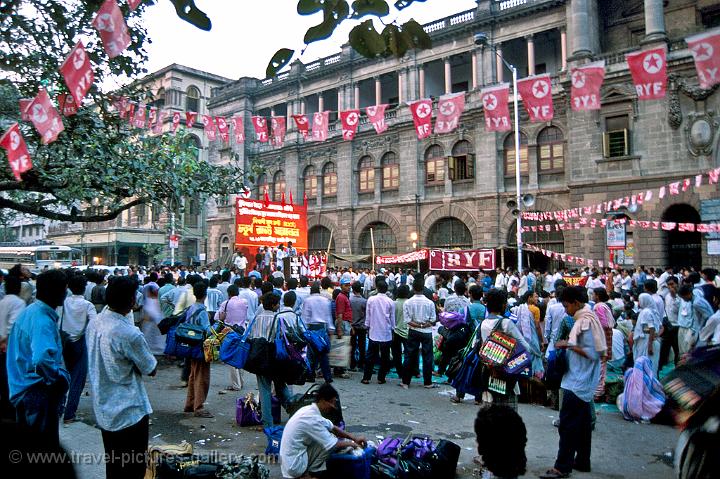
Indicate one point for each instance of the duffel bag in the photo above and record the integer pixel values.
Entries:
(354, 464)
(444, 459)
(301, 400)
(155, 453)
(166, 323)
(235, 348)
(186, 467)
(261, 357)
(182, 350)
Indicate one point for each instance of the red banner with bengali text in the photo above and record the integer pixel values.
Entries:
(406, 258)
(269, 224)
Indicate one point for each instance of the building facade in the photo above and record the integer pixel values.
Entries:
(140, 235)
(453, 190)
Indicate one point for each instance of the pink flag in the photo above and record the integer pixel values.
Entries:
(495, 107)
(586, 82)
(111, 26)
(320, 125)
(24, 103)
(209, 127)
(278, 130)
(77, 72)
(649, 73)
(139, 117)
(261, 128)
(67, 104)
(223, 129)
(349, 120)
(705, 49)
(376, 116)
(238, 129)
(158, 127)
(45, 117)
(536, 94)
(17, 152)
(175, 121)
(152, 116)
(190, 117)
(422, 117)
(450, 108)
(303, 125)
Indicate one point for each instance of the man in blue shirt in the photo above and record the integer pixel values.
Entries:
(37, 376)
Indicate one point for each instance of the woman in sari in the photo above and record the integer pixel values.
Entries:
(643, 397)
(603, 311)
(646, 334)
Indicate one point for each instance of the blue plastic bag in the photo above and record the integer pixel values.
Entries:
(274, 436)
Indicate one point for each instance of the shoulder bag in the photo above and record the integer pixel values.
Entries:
(190, 333)
(235, 349)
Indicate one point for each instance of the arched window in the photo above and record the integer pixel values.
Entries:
(194, 144)
(278, 185)
(329, 179)
(224, 247)
(509, 154)
(366, 175)
(160, 99)
(551, 150)
(319, 238)
(461, 165)
(310, 182)
(391, 171)
(434, 165)
(383, 237)
(449, 233)
(192, 99)
(262, 187)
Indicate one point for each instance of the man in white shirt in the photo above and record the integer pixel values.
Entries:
(380, 322)
(431, 282)
(118, 358)
(419, 314)
(662, 281)
(309, 438)
(499, 279)
(241, 263)
(10, 308)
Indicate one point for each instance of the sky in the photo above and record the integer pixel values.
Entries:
(246, 33)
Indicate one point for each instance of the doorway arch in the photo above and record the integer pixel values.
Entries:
(682, 249)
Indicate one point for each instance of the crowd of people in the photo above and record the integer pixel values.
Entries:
(62, 329)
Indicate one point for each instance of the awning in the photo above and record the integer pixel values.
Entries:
(352, 258)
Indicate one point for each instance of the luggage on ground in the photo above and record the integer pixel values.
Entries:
(352, 464)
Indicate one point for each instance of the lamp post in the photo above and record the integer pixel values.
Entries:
(481, 39)
(414, 237)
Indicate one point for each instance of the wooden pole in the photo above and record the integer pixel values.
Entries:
(327, 255)
(372, 242)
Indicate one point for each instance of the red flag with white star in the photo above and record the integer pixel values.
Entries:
(23, 103)
(45, 117)
(450, 107)
(303, 125)
(67, 104)
(17, 152)
(586, 82)
(705, 49)
(261, 128)
(278, 130)
(320, 125)
(110, 24)
(495, 107)
(139, 117)
(223, 129)
(77, 72)
(536, 94)
(376, 116)
(175, 121)
(190, 117)
(422, 117)
(238, 129)
(152, 116)
(649, 73)
(209, 127)
(349, 120)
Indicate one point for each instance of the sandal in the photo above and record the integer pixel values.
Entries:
(553, 474)
(365, 381)
(456, 400)
(430, 386)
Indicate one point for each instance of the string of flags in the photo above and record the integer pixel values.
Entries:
(634, 199)
(568, 258)
(645, 225)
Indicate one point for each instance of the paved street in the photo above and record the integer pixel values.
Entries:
(620, 448)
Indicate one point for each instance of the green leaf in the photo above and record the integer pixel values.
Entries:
(334, 12)
(308, 7)
(320, 32)
(377, 8)
(396, 42)
(403, 4)
(281, 58)
(366, 41)
(417, 37)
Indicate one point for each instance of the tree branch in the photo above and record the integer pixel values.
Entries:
(54, 215)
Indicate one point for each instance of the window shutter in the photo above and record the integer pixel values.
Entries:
(451, 167)
(470, 166)
(606, 144)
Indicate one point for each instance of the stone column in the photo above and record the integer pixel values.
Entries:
(563, 49)
(318, 199)
(530, 54)
(272, 111)
(302, 106)
(341, 98)
(448, 75)
(421, 80)
(580, 23)
(474, 69)
(321, 103)
(378, 91)
(357, 96)
(654, 21)
(288, 116)
(402, 76)
(500, 66)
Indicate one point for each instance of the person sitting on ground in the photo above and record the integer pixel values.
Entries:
(503, 451)
(309, 438)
